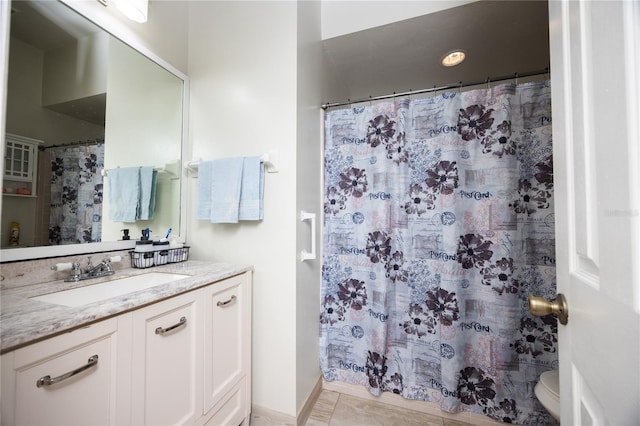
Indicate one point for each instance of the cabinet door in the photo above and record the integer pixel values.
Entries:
(227, 337)
(166, 362)
(65, 380)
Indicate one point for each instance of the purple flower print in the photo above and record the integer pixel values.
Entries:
(531, 199)
(419, 200)
(97, 193)
(378, 246)
(443, 305)
(376, 368)
(473, 251)
(394, 267)
(396, 149)
(545, 172)
(499, 142)
(500, 276)
(334, 201)
(474, 121)
(55, 235)
(353, 182)
(332, 311)
(353, 294)
(420, 323)
(380, 130)
(443, 179)
(506, 412)
(393, 384)
(474, 387)
(57, 168)
(535, 338)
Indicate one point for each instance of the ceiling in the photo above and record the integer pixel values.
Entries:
(499, 37)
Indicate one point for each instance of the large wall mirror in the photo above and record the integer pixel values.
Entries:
(81, 104)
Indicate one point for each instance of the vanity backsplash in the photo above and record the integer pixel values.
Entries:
(28, 272)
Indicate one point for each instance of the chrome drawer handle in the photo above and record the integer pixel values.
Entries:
(227, 302)
(48, 381)
(180, 323)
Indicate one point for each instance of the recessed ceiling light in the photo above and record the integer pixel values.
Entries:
(453, 58)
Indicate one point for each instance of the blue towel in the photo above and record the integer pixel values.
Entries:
(226, 180)
(205, 169)
(152, 201)
(251, 193)
(146, 206)
(124, 193)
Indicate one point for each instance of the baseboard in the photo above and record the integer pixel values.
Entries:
(261, 416)
(306, 409)
(409, 404)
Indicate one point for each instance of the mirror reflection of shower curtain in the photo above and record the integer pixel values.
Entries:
(438, 224)
(76, 194)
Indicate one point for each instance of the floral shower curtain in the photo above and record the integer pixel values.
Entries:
(438, 225)
(76, 194)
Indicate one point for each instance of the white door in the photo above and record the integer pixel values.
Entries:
(595, 75)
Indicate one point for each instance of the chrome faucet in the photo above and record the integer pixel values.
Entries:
(103, 269)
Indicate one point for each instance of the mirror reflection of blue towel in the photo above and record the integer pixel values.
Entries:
(123, 193)
(147, 198)
(131, 193)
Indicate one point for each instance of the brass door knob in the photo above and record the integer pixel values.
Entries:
(541, 307)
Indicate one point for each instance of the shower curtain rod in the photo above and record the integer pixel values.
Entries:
(458, 85)
(79, 143)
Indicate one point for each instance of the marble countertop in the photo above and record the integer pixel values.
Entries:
(24, 320)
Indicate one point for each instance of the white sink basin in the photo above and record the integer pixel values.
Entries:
(106, 290)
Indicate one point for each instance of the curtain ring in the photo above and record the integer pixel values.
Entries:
(369, 101)
(460, 87)
(516, 78)
(488, 83)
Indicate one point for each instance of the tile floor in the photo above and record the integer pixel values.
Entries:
(333, 408)
(338, 409)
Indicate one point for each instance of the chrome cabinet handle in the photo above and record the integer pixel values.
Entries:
(48, 381)
(227, 302)
(161, 330)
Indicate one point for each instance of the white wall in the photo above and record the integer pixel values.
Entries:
(308, 196)
(344, 17)
(242, 66)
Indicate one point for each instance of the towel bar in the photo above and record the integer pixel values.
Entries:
(173, 176)
(270, 160)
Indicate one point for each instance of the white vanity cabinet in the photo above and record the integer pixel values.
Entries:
(227, 360)
(182, 360)
(66, 380)
(166, 361)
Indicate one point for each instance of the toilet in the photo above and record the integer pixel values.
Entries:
(548, 392)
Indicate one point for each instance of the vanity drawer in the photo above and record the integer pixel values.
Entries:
(231, 409)
(69, 379)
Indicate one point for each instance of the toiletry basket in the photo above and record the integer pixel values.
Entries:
(147, 259)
